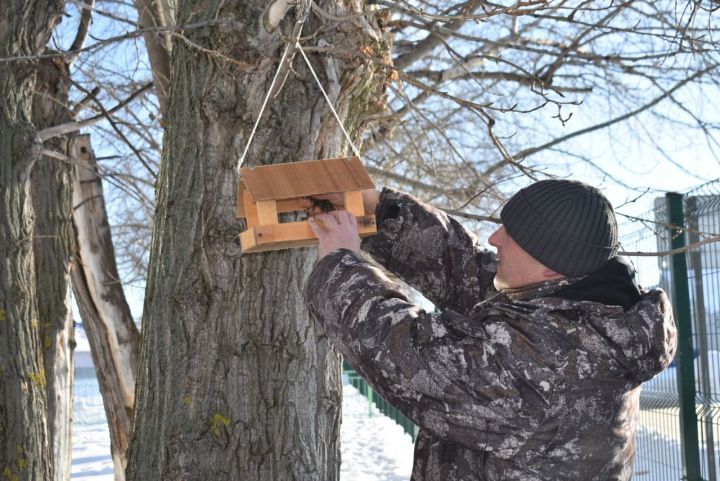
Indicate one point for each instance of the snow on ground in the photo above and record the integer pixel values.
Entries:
(91, 459)
(373, 448)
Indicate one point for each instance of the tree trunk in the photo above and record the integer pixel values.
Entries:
(25, 449)
(235, 382)
(53, 246)
(113, 336)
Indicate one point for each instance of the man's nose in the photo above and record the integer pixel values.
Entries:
(496, 238)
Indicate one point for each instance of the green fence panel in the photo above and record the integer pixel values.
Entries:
(675, 443)
(381, 404)
(702, 215)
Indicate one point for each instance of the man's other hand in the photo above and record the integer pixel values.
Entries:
(335, 230)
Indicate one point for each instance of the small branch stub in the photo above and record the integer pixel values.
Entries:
(275, 13)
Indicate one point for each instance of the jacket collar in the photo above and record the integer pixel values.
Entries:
(534, 291)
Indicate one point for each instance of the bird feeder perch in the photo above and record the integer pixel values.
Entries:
(266, 191)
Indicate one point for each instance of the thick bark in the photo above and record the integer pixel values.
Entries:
(25, 452)
(53, 246)
(235, 382)
(113, 336)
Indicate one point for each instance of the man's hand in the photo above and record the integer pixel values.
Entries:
(335, 230)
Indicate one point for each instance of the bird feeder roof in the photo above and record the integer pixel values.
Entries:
(305, 178)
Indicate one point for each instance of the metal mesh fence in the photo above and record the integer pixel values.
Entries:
(702, 215)
(659, 455)
(665, 448)
(88, 408)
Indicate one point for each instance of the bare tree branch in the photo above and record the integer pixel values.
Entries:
(63, 129)
(528, 152)
(85, 101)
(442, 76)
(159, 47)
(83, 29)
(118, 38)
(679, 250)
(423, 48)
(466, 215)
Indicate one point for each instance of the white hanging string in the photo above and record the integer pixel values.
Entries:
(262, 107)
(270, 90)
(327, 99)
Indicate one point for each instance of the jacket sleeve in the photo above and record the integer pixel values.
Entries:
(430, 251)
(454, 376)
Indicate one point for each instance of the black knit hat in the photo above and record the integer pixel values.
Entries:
(567, 225)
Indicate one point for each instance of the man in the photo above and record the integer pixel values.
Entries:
(531, 367)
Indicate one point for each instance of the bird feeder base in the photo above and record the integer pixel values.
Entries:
(271, 237)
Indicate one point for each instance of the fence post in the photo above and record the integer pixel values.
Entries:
(685, 355)
(370, 400)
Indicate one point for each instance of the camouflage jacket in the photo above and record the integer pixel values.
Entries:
(517, 385)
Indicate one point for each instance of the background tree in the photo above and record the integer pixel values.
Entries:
(234, 379)
(112, 334)
(34, 342)
(53, 244)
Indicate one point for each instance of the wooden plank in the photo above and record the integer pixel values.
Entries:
(354, 203)
(251, 213)
(267, 212)
(263, 238)
(306, 178)
(248, 240)
(286, 205)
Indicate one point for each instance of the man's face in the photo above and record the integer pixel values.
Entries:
(515, 267)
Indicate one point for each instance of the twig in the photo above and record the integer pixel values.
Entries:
(82, 104)
(671, 252)
(68, 127)
(521, 8)
(118, 38)
(114, 126)
(465, 215)
(103, 13)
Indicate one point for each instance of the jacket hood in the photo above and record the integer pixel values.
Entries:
(638, 328)
(644, 338)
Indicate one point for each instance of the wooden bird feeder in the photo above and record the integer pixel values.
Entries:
(266, 191)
